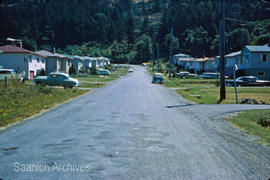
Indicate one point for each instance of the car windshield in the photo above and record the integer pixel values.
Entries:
(253, 79)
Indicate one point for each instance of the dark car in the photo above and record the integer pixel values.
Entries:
(157, 78)
(248, 81)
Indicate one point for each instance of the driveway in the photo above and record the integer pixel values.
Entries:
(132, 129)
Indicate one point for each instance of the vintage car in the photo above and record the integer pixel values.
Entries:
(57, 79)
(157, 78)
(183, 74)
(209, 75)
(248, 81)
(103, 72)
(10, 74)
(130, 70)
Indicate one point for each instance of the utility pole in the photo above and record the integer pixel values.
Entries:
(171, 47)
(221, 50)
(153, 59)
(157, 58)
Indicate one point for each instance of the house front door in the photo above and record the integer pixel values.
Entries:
(32, 74)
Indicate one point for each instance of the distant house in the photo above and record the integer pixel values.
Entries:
(22, 60)
(209, 65)
(77, 64)
(55, 62)
(97, 62)
(182, 60)
(88, 63)
(251, 61)
(196, 65)
(255, 61)
(103, 61)
(202, 65)
(230, 60)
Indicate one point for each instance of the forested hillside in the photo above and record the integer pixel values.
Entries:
(127, 31)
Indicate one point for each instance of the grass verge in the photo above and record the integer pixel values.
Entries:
(206, 91)
(102, 79)
(19, 101)
(247, 121)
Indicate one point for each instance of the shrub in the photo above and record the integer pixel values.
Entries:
(264, 122)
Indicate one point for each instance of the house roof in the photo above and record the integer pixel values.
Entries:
(204, 59)
(233, 54)
(182, 55)
(264, 48)
(14, 49)
(49, 54)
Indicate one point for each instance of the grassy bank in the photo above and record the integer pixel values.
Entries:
(19, 101)
(249, 122)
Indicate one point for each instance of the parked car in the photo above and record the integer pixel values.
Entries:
(130, 70)
(103, 72)
(10, 74)
(183, 74)
(248, 81)
(209, 75)
(157, 78)
(57, 79)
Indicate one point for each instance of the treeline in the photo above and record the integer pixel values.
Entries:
(127, 31)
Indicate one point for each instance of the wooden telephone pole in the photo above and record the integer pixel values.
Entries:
(221, 51)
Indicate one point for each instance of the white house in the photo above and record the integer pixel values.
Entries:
(21, 60)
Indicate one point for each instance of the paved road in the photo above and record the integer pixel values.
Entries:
(132, 129)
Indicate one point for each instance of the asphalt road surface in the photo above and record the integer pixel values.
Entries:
(132, 129)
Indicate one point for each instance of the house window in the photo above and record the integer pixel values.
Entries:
(25, 59)
(30, 58)
(38, 59)
(246, 58)
(241, 61)
(264, 57)
(42, 60)
(260, 73)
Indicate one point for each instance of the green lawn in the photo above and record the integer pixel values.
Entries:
(20, 101)
(101, 78)
(206, 91)
(247, 121)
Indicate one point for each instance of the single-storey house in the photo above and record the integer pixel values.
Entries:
(196, 65)
(209, 65)
(182, 60)
(22, 60)
(230, 60)
(103, 61)
(55, 62)
(255, 61)
(77, 64)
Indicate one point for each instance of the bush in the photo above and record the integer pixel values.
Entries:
(93, 70)
(264, 122)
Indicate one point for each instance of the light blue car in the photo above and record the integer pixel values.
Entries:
(57, 79)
